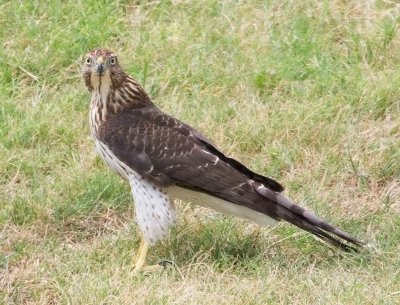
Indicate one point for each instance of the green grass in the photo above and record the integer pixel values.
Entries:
(304, 91)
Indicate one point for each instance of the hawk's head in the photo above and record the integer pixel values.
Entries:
(101, 70)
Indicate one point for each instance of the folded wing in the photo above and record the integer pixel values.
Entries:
(169, 152)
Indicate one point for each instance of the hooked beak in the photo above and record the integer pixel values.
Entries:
(100, 69)
(100, 66)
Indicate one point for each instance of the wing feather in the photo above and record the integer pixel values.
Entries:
(169, 152)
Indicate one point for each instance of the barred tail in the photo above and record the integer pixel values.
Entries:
(287, 210)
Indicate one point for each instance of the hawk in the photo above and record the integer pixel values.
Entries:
(164, 159)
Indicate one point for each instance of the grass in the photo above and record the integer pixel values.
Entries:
(304, 91)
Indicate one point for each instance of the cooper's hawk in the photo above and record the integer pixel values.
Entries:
(164, 159)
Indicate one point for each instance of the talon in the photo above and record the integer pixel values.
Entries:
(165, 263)
(139, 261)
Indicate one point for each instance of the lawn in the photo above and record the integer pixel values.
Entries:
(307, 92)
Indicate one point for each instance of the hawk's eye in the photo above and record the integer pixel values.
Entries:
(88, 60)
(112, 61)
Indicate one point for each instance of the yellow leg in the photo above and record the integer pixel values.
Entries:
(140, 258)
(139, 261)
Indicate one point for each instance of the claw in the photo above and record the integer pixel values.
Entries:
(165, 263)
(139, 260)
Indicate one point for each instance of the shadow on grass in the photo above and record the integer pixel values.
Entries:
(225, 243)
